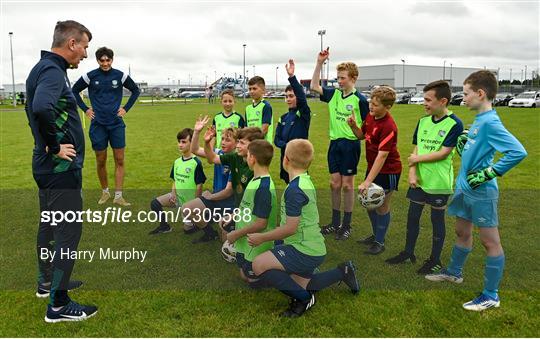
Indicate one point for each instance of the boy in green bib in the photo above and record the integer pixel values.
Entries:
(258, 208)
(431, 174)
(259, 112)
(289, 267)
(188, 177)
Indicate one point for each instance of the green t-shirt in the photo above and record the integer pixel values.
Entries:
(260, 199)
(187, 174)
(259, 114)
(341, 108)
(222, 122)
(300, 199)
(240, 172)
(430, 136)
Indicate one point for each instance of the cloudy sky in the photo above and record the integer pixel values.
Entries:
(166, 41)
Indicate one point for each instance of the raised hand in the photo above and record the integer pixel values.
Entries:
(290, 68)
(323, 55)
(210, 134)
(201, 123)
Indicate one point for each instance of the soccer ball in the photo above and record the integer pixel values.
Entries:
(373, 198)
(228, 252)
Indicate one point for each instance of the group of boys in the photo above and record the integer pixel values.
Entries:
(285, 257)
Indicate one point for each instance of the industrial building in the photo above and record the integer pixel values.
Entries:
(411, 77)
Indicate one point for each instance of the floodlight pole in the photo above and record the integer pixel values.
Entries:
(12, 70)
(444, 70)
(277, 67)
(403, 80)
(244, 78)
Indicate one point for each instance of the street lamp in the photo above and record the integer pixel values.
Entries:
(322, 32)
(277, 67)
(403, 80)
(444, 70)
(450, 74)
(254, 70)
(244, 79)
(12, 70)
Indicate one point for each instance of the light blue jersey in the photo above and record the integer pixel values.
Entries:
(486, 136)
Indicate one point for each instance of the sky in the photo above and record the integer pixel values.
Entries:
(169, 41)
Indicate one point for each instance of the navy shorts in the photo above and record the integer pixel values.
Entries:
(296, 262)
(435, 200)
(343, 156)
(102, 135)
(218, 206)
(246, 266)
(389, 182)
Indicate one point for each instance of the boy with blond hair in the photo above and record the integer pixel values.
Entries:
(344, 149)
(289, 267)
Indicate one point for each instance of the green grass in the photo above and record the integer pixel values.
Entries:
(188, 290)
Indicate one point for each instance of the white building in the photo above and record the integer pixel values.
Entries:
(411, 77)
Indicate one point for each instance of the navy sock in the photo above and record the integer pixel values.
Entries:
(336, 217)
(347, 217)
(373, 218)
(208, 230)
(156, 206)
(439, 232)
(413, 226)
(283, 282)
(322, 280)
(383, 221)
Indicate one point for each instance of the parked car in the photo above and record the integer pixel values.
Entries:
(502, 99)
(526, 99)
(456, 99)
(417, 99)
(403, 98)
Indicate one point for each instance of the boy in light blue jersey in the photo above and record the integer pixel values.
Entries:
(476, 196)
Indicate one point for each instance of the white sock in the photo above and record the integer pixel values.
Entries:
(106, 190)
(117, 194)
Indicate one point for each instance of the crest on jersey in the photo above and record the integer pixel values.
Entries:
(475, 131)
(442, 133)
(188, 169)
(115, 83)
(232, 124)
(96, 82)
(258, 112)
(243, 179)
(349, 107)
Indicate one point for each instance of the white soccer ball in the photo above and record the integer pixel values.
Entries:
(228, 252)
(373, 197)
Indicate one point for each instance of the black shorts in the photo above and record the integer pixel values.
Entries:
(389, 182)
(343, 156)
(219, 206)
(434, 200)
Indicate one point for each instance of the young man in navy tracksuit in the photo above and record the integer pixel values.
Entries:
(295, 123)
(105, 89)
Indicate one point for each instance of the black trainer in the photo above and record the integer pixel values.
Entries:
(70, 312)
(192, 230)
(43, 290)
(375, 248)
(430, 266)
(349, 276)
(298, 307)
(367, 241)
(206, 238)
(343, 233)
(161, 229)
(401, 258)
(329, 229)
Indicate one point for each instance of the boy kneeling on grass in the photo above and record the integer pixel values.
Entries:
(289, 267)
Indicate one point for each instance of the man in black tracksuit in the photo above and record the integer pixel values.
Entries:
(57, 162)
(295, 123)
